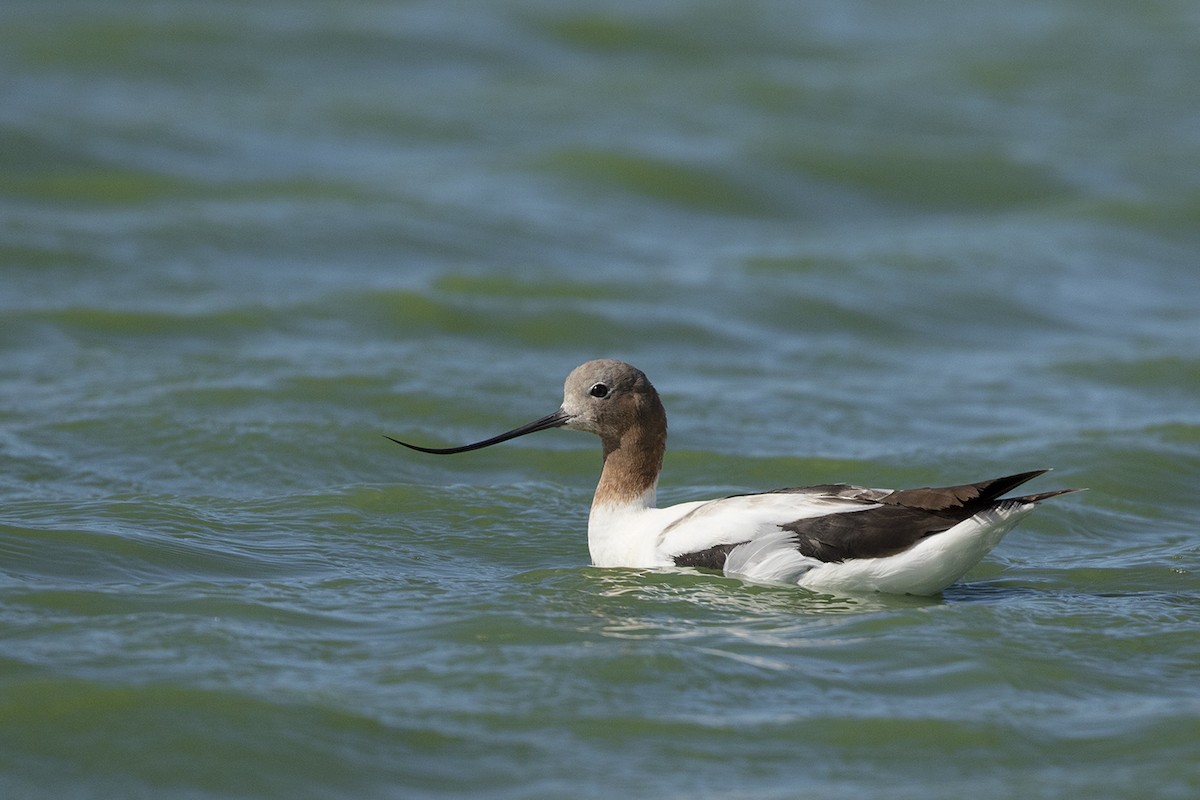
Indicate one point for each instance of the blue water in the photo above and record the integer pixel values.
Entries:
(893, 245)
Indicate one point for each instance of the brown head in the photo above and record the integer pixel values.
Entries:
(611, 399)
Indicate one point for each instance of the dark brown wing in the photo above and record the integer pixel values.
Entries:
(889, 523)
(903, 518)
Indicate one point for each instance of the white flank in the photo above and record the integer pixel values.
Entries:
(927, 567)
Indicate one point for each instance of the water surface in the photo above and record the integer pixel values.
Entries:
(889, 245)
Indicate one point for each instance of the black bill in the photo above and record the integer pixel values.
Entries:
(555, 420)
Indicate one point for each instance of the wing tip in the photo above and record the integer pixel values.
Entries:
(1040, 496)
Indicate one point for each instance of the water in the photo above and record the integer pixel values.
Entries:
(887, 244)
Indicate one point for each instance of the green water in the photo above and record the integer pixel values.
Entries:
(888, 244)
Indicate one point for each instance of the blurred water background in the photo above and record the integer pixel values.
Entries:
(895, 244)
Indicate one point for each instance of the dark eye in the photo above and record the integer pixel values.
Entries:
(599, 390)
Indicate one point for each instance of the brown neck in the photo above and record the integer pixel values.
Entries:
(633, 460)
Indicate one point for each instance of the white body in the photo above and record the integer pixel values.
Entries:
(641, 536)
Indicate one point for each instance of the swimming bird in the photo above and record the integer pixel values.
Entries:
(827, 538)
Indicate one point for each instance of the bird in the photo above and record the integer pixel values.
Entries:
(829, 538)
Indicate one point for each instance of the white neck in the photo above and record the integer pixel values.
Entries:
(617, 535)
